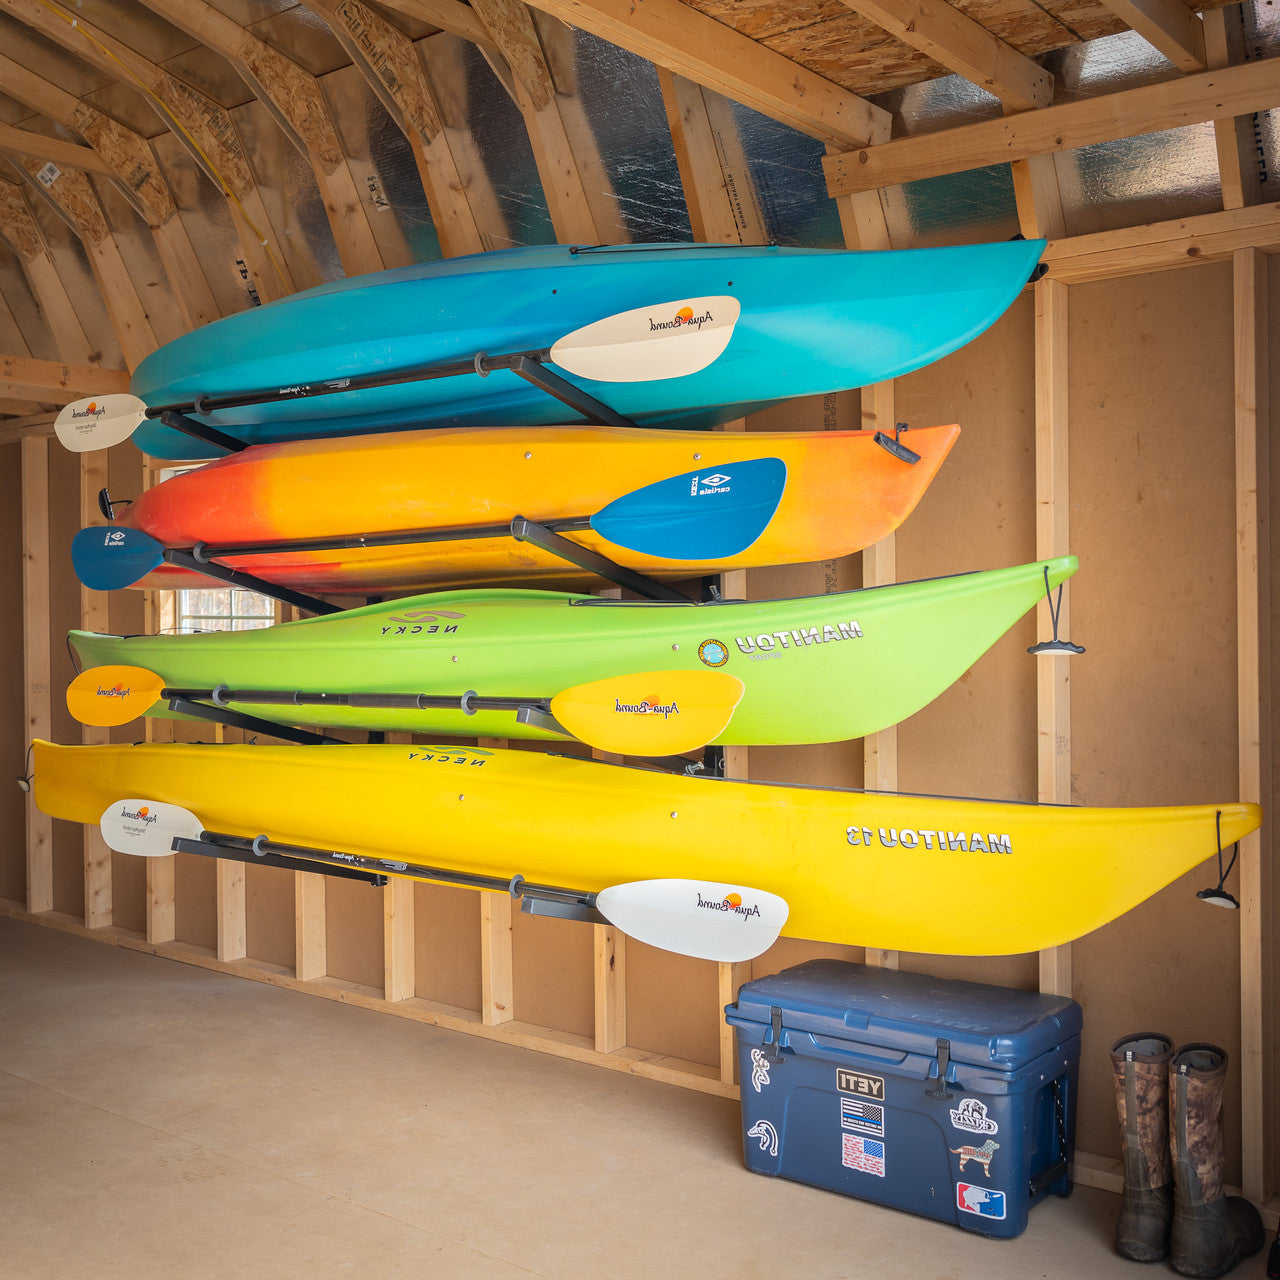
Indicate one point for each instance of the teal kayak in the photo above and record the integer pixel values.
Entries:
(796, 322)
(815, 669)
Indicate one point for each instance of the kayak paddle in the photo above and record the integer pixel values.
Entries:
(665, 340)
(710, 920)
(654, 713)
(707, 515)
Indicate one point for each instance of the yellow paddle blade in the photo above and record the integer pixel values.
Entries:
(112, 695)
(650, 713)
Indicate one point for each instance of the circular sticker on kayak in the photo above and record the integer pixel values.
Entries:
(713, 653)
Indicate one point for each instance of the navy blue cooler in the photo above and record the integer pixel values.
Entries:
(952, 1100)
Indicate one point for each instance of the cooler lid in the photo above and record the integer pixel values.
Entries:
(909, 1012)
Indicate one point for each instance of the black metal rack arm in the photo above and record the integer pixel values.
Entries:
(251, 724)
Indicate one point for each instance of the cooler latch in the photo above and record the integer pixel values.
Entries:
(944, 1061)
(774, 1052)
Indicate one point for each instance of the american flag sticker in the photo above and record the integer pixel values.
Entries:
(863, 1154)
(862, 1117)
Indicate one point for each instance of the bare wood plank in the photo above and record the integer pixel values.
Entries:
(1210, 95)
(94, 616)
(610, 952)
(449, 15)
(38, 707)
(1170, 26)
(567, 200)
(729, 980)
(1053, 505)
(50, 380)
(1253, 666)
(511, 27)
(1039, 198)
(231, 907)
(497, 977)
(705, 187)
(162, 916)
(1160, 246)
(23, 142)
(310, 927)
(965, 46)
(678, 37)
(1237, 146)
(399, 981)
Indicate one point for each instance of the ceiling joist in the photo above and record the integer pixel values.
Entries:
(46, 380)
(1211, 95)
(24, 142)
(1169, 26)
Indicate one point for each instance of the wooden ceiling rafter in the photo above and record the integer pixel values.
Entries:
(52, 382)
(963, 45)
(135, 170)
(295, 100)
(678, 37)
(1169, 26)
(1209, 95)
(1238, 167)
(390, 64)
(26, 142)
(205, 129)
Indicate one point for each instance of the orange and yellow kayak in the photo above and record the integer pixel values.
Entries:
(843, 491)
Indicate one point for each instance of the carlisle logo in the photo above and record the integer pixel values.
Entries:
(143, 815)
(701, 486)
(730, 902)
(647, 707)
(684, 319)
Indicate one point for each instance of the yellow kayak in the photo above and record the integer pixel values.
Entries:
(956, 877)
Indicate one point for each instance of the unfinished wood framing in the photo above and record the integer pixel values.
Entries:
(36, 666)
(1170, 26)
(399, 979)
(1253, 569)
(311, 931)
(1210, 95)
(1238, 160)
(57, 383)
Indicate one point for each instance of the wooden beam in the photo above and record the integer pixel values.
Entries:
(958, 42)
(23, 142)
(1236, 139)
(203, 127)
(1211, 95)
(94, 616)
(20, 229)
(1053, 506)
(677, 36)
(399, 979)
(1253, 666)
(449, 15)
(497, 970)
(231, 907)
(162, 914)
(1170, 26)
(58, 383)
(511, 28)
(1160, 246)
(730, 979)
(36, 657)
(610, 974)
(295, 100)
(71, 192)
(310, 927)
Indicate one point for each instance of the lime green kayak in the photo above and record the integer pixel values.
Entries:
(816, 669)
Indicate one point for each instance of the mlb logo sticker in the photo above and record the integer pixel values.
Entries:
(863, 1117)
(866, 1155)
(982, 1201)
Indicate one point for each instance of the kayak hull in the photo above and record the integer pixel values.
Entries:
(843, 492)
(811, 321)
(873, 870)
(815, 669)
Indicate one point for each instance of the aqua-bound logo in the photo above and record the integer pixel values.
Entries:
(116, 691)
(92, 410)
(684, 319)
(730, 902)
(646, 708)
(142, 815)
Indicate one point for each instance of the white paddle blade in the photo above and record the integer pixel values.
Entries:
(712, 921)
(99, 422)
(147, 828)
(666, 340)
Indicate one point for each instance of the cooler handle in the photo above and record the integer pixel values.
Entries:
(1051, 1173)
(944, 1061)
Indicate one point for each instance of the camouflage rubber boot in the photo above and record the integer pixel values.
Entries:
(1141, 1066)
(1211, 1232)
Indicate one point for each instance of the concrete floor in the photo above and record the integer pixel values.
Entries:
(158, 1119)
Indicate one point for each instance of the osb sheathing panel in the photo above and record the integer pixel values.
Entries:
(1153, 703)
(269, 930)
(553, 973)
(446, 925)
(13, 736)
(672, 1004)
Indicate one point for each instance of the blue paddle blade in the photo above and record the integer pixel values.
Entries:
(710, 514)
(106, 558)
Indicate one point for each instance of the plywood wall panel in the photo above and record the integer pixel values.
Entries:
(672, 1004)
(447, 945)
(1153, 701)
(269, 915)
(129, 892)
(196, 899)
(354, 913)
(553, 972)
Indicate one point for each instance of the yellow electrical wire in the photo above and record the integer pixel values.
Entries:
(177, 124)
